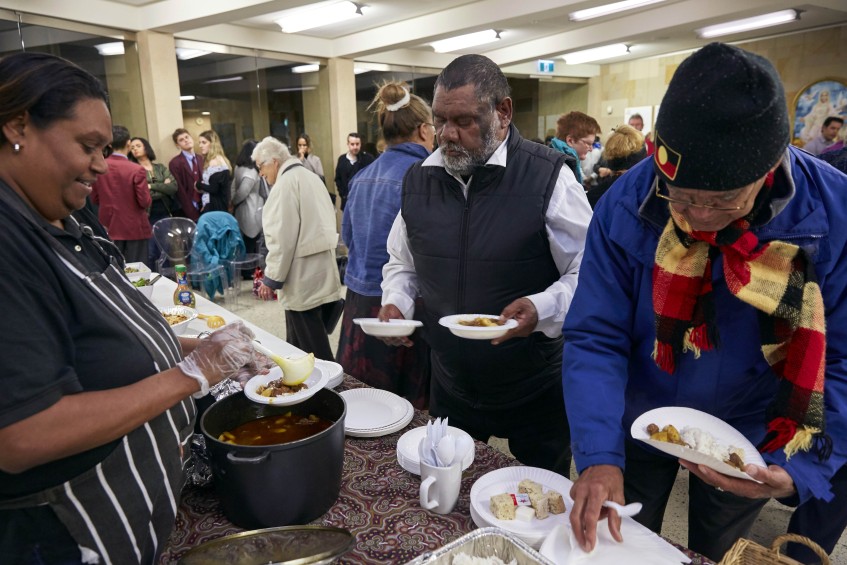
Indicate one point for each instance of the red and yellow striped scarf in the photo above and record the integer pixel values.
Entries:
(777, 279)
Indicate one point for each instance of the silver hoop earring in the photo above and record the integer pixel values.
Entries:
(16, 148)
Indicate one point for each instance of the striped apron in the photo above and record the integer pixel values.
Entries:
(123, 509)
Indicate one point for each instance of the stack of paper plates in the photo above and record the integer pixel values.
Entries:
(407, 448)
(333, 370)
(372, 412)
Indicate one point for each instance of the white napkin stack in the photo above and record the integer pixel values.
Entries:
(640, 545)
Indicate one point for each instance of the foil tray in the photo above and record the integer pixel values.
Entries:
(484, 542)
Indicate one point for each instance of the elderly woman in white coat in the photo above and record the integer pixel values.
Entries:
(298, 221)
(249, 192)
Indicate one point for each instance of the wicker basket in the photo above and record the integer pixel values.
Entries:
(746, 552)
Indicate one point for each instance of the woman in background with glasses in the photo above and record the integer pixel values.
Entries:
(405, 121)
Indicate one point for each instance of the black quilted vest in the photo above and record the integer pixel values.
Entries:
(476, 256)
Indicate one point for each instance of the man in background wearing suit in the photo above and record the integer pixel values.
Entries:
(187, 169)
(123, 197)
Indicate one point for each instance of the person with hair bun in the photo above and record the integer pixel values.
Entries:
(405, 121)
(623, 150)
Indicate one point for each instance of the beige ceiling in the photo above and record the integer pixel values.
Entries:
(398, 32)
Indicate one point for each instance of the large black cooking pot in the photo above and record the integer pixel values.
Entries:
(276, 485)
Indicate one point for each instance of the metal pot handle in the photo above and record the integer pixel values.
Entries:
(233, 458)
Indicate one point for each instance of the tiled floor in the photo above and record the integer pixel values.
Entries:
(771, 522)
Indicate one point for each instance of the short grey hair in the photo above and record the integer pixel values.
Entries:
(270, 148)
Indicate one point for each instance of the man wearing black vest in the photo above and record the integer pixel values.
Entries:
(490, 223)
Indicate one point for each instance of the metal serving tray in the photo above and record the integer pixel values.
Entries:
(484, 542)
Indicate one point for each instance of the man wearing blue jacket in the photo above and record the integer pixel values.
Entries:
(717, 284)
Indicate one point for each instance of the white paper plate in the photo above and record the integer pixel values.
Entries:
(391, 328)
(681, 418)
(506, 481)
(372, 412)
(474, 332)
(316, 381)
(334, 371)
(407, 448)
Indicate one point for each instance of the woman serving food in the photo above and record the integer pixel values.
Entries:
(96, 410)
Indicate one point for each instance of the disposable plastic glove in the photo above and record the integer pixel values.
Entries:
(259, 365)
(219, 356)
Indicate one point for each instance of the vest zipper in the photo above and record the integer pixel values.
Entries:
(463, 251)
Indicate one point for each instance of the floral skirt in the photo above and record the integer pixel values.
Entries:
(402, 370)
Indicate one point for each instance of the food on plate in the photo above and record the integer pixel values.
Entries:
(525, 513)
(668, 434)
(465, 559)
(529, 487)
(701, 441)
(481, 322)
(140, 282)
(273, 430)
(539, 504)
(174, 319)
(503, 506)
(555, 502)
(530, 495)
(279, 388)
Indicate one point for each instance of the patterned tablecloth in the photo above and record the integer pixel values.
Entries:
(378, 504)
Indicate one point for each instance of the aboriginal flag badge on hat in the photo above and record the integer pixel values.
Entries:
(667, 160)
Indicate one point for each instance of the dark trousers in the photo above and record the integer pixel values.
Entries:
(821, 522)
(133, 250)
(716, 519)
(538, 431)
(306, 331)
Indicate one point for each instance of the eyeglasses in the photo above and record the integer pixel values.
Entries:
(588, 142)
(660, 185)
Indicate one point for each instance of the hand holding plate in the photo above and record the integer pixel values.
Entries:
(391, 312)
(774, 481)
(523, 311)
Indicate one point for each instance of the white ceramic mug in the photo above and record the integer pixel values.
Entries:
(440, 487)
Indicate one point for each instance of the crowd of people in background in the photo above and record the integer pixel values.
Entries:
(642, 219)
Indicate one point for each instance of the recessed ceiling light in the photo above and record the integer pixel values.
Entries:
(314, 67)
(327, 13)
(747, 24)
(466, 41)
(112, 48)
(183, 53)
(596, 54)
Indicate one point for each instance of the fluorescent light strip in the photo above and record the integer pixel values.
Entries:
(109, 49)
(465, 41)
(747, 24)
(314, 67)
(599, 11)
(187, 97)
(596, 54)
(206, 113)
(318, 16)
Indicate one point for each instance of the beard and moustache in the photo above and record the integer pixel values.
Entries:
(464, 164)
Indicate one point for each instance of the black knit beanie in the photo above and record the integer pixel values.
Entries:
(723, 122)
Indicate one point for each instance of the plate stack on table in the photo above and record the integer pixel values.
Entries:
(334, 371)
(372, 412)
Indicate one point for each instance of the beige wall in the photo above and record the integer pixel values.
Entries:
(556, 99)
(800, 59)
(160, 88)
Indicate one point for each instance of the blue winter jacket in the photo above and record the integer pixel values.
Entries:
(372, 204)
(609, 377)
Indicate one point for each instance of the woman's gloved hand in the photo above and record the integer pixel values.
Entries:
(219, 356)
(259, 365)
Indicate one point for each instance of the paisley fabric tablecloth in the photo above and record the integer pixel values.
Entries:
(378, 504)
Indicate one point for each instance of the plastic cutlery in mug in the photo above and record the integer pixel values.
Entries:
(447, 450)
